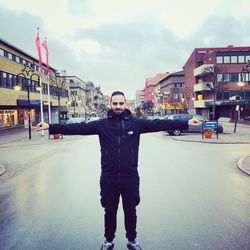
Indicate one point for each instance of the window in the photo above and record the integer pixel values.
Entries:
(10, 56)
(241, 59)
(219, 77)
(246, 77)
(10, 81)
(227, 77)
(226, 95)
(17, 59)
(1, 52)
(4, 79)
(235, 77)
(219, 59)
(233, 59)
(226, 59)
(247, 58)
(24, 62)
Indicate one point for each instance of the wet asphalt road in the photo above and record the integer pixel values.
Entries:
(192, 196)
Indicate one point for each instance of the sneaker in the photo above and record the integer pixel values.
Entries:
(134, 245)
(107, 245)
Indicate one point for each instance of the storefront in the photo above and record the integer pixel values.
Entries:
(8, 118)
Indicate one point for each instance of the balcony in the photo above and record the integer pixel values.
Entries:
(203, 86)
(204, 69)
(200, 103)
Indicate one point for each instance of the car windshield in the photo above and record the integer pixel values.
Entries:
(200, 118)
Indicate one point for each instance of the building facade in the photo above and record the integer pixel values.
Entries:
(171, 94)
(19, 69)
(218, 78)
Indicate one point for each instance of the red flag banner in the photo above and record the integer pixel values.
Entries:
(38, 47)
(44, 44)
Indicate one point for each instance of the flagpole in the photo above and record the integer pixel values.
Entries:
(40, 75)
(49, 100)
(41, 99)
(44, 44)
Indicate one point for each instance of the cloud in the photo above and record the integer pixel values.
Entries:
(119, 50)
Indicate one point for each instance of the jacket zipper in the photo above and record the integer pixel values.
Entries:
(119, 150)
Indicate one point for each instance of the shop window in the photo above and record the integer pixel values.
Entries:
(8, 118)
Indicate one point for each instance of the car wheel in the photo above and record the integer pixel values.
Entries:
(176, 132)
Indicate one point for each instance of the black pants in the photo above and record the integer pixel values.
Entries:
(111, 190)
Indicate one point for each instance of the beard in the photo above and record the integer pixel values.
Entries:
(118, 111)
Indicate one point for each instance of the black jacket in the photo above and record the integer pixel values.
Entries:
(119, 137)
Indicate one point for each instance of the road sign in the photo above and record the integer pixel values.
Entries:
(212, 125)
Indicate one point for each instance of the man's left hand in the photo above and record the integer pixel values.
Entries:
(194, 122)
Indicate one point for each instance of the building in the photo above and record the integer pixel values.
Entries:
(139, 98)
(218, 78)
(19, 69)
(130, 104)
(150, 84)
(172, 94)
(77, 96)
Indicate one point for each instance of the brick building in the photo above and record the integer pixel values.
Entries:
(172, 94)
(213, 77)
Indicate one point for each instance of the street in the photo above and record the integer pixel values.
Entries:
(192, 196)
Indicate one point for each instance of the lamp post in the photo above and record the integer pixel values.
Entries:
(241, 84)
(27, 74)
(73, 93)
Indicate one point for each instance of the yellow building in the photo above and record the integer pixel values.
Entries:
(18, 68)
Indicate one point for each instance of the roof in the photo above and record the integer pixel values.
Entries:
(177, 73)
(155, 80)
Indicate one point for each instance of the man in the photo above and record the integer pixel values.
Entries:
(119, 136)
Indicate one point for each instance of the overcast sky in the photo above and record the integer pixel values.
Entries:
(117, 44)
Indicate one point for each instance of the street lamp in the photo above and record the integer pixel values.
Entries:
(241, 84)
(27, 74)
(74, 93)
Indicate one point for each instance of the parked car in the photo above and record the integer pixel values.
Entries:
(93, 118)
(75, 120)
(192, 129)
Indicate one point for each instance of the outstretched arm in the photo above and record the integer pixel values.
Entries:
(70, 129)
(156, 125)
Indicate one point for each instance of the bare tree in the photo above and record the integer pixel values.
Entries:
(58, 81)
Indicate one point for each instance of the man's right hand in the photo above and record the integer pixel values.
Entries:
(42, 126)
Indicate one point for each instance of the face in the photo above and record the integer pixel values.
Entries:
(118, 104)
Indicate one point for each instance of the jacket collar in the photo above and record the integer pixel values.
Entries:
(126, 114)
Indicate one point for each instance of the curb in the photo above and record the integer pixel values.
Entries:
(240, 165)
(211, 142)
(2, 169)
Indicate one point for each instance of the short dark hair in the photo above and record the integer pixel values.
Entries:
(118, 93)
